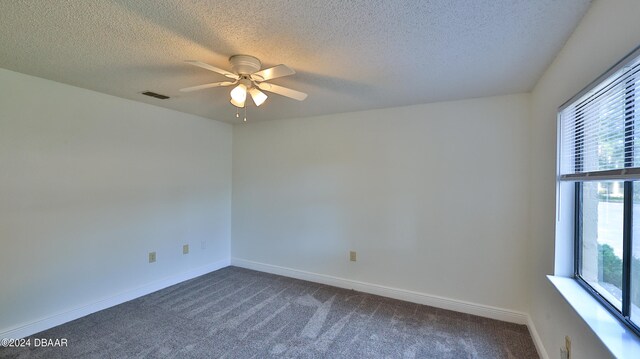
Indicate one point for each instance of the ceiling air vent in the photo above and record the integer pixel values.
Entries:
(156, 95)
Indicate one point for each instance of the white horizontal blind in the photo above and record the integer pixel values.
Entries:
(599, 137)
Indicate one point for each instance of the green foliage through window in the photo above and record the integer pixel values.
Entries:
(612, 270)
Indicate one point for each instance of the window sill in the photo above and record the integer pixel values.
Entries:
(615, 336)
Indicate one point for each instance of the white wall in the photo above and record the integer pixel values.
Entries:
(90, 183)
(607, 33)
(434, 198)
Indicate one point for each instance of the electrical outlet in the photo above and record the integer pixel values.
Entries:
(185, 249)
(152, 257)
(352, 256)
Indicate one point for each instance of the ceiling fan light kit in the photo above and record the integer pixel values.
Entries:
(247, 74)
(239, 95)
(257, 96)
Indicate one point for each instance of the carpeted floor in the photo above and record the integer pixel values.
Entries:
(239, 313)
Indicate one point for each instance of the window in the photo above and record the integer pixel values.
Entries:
(599, 153)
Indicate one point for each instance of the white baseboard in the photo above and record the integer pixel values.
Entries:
(67, 316)
(401, 294)
(542, 352)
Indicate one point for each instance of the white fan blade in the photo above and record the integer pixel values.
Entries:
(213, 68)
(272, 73)
(206, 86)
(287, 92)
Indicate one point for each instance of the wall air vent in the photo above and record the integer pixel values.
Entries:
(156, 95)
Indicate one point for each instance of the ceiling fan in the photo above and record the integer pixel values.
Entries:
(250, 78)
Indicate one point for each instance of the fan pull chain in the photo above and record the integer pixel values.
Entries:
(237, 112)
(245, 113)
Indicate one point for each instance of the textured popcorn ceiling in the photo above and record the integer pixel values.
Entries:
(349, 55)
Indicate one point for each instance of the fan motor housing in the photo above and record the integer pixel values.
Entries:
(244, 64)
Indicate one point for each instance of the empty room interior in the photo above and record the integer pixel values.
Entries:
(332, 179)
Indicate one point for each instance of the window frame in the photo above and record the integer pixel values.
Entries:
(624, 315)
(626, 264)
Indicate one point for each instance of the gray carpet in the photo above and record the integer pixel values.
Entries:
(239, 313)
